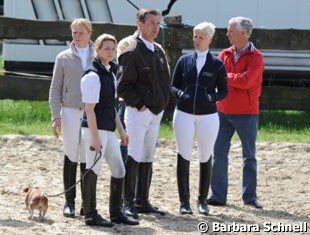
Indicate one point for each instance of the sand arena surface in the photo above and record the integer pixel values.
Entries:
(283, 188)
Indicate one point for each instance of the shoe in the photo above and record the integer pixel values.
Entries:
(148, 208)
(69, 210)
(213, 202)
(203, 207)
(185, 209)
(255, 204)
(82, 211)
(130, 211)
(97, 220)
(123, 219)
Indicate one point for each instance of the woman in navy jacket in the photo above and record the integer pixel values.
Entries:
(199, 80)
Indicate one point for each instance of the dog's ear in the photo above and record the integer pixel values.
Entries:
(26, 190)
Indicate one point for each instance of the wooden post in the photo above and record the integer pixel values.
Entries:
(173, 52)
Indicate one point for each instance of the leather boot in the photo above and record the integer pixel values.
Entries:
(204, 184)
(69, 179)
(82, 172)
(116, 215)
(142, 203)
(183, 185)
(130, 187)
(92, 218)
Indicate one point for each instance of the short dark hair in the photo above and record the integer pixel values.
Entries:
(142, 14)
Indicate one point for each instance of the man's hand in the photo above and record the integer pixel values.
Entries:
(56, 127)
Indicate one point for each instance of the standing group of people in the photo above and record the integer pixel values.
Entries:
(216, 96)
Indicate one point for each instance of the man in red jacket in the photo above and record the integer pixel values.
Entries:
(238, 112)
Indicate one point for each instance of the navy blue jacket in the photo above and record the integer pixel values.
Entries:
(105, 109)
(197, 93)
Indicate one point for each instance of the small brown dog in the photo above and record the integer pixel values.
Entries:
(36, 198)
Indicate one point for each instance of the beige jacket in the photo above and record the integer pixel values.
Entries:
(65, 86)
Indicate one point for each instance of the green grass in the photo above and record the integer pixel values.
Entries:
(279, 126)
(1, 63)
(34, 118)
(25, 117)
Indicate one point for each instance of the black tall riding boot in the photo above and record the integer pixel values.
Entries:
(82, 172)
(116, 215)
(69, 179)
(92, 218)
(204, 184)
(183, 185)
(130, 187)
(142, 202)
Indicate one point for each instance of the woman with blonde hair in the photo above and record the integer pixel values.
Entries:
(198, 82)
(66, 105)
(100, 120)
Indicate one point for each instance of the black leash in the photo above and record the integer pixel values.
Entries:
(68, 189)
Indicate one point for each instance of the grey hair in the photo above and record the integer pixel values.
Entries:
(243, 23)
(205, 27)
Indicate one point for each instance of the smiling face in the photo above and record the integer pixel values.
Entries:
(80, 35)
(107, 51)
(201, 40)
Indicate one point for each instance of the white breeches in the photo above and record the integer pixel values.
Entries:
(110, 152)
(142, 128)
(74, 146)
(185, 126)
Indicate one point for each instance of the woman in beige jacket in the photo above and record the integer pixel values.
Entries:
(66, 105)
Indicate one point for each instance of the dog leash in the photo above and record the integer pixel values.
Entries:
(71, 187)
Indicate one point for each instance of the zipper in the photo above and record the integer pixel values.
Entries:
(195, 96)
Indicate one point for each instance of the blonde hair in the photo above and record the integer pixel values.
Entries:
(83, 23)
(205, 27)
(102, 38)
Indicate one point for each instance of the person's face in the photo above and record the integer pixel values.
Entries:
(106, 52)
(80, 36)
(150, 28)
(201, 40)
(235, 35)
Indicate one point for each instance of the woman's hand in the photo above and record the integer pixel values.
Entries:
(96, 145)
(56, 127)
(124, 139)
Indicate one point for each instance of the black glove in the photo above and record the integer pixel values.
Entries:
(182, 95)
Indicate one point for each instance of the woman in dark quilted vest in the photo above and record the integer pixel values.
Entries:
(98, 87)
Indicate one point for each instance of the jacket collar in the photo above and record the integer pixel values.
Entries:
(251, 48)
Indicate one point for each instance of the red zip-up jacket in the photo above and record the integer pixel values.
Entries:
(244, 81)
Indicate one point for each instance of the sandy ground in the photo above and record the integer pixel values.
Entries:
(283, 188)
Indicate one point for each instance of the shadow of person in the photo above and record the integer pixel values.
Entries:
(15, 223)
(174, 223)
(124, 229)
(273, 214)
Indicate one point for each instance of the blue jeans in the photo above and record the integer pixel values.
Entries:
(246, 127)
